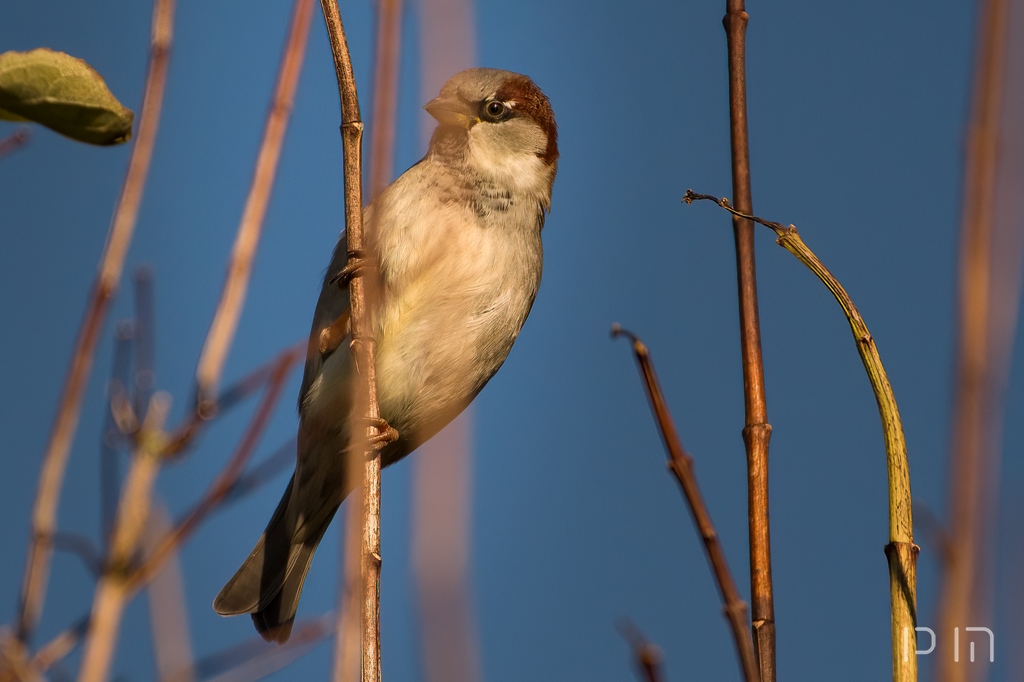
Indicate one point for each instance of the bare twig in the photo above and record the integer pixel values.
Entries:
(14, 141)
(756, 431)
(60, 646)
(989, 303)
(229, 309)
(363, 348)
(646, 656)
(901, 550)
(44, 512)
(681, 465)
(132, 513)
(224, 482)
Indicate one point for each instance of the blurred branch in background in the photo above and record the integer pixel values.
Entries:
(112, 439)
(51, 478)
(144, 340)
(255, 659)
(167, 545)
(168, 614)
(757, 431)
(681, 465)
(132, 513)
(441, 527)
(385, 94)
(646, 656)
(991, 254)
(442, 476)
(14, 141)
(120, 578)
(901, 551)
(229, 309)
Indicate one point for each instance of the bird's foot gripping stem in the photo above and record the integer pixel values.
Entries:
(354, 265)
(386, 435)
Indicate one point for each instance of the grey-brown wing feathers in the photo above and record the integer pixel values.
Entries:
(269, 582)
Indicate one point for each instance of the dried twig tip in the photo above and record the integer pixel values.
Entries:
(638, 346)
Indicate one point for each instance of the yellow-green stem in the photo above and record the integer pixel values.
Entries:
(901, 550)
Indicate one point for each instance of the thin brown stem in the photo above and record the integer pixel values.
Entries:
(681, 465)
(363, 345)
(112, 592)
(756, 431)
(229, 309)
(51, 478)
(901, 551)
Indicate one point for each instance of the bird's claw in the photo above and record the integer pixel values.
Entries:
(386, 434)
(352, 267)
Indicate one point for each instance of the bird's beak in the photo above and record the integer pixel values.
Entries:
(452, 111)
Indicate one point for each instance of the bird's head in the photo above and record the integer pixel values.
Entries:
(500, 123)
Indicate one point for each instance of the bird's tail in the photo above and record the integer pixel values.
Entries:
(269, 582)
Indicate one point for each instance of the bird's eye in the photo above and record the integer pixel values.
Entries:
(496, 109)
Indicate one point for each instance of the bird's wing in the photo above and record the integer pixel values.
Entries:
(330, 307)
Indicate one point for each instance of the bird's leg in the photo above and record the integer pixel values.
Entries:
(386, 434)
(332, 336)
(353, 266)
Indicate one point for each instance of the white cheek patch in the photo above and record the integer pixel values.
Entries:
(508, 154)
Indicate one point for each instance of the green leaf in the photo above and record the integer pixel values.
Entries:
(62, 93)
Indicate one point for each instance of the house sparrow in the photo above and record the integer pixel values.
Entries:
(457, 244)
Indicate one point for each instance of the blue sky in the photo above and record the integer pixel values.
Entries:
(857, 115)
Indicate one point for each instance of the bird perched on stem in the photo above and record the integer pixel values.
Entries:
(456, 244)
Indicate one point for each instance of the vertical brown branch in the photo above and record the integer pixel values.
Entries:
(229, 309)
(442, 470)
(756, 431)
(681, 465)
(989, 289)
(385, 94)
(51, 478)
(363, 346)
